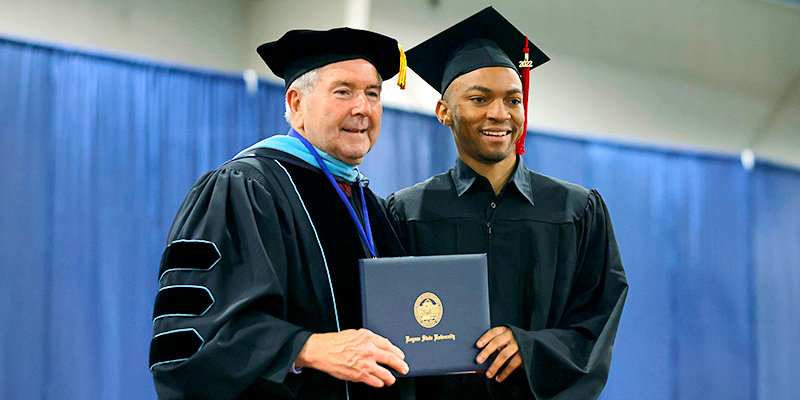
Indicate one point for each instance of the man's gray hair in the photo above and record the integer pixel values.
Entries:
(305, 85)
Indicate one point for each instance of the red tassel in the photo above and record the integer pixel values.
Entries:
(525, 69)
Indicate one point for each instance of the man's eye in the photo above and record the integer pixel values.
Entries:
(478, 100)
(343, 92)
(515, 102)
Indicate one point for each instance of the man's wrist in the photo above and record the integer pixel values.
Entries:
(305, 357)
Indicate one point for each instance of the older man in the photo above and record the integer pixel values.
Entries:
(556, 282)
(259, 281)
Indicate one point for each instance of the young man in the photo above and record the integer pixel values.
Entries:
(259, 282)
(556, 282)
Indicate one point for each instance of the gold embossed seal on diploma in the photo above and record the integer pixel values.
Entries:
(434, 308)
(428, 310)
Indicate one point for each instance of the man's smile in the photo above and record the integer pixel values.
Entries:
(354, 130)
(495, 132)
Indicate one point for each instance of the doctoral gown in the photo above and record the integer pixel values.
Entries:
(262, 254)
(555, 275)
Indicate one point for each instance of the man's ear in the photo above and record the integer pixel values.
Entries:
(443, 113)
(294, 98)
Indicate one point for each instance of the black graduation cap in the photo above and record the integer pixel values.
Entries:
(485, 39)
(300, 51)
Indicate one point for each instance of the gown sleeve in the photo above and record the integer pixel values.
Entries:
(572, 359)
(220, 326)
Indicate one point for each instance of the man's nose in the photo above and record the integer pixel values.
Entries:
(361, 105)
(497, 110)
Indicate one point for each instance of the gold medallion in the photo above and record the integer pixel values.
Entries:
(428, 310)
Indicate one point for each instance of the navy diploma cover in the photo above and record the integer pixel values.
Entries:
(434, 308)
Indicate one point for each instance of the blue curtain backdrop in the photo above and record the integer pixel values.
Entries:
(97, 153)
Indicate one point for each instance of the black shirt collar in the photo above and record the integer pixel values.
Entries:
(464, 177)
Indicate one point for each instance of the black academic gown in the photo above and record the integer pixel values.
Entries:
(268, 239)
(555, 275)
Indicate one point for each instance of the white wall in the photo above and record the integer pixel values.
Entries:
(199, 32)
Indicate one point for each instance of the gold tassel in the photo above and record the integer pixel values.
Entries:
(401, 76)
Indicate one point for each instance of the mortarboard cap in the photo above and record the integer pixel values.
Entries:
(300, 51)
(485, 39)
